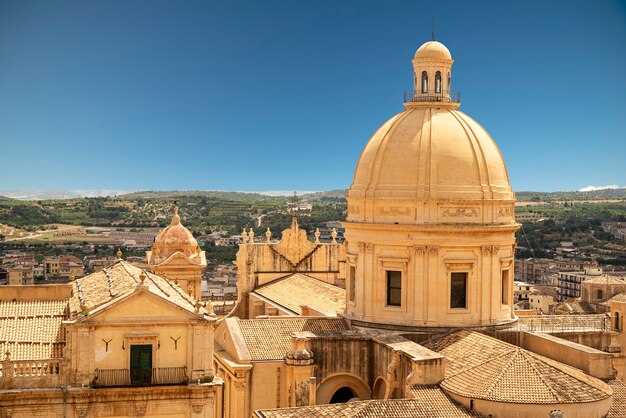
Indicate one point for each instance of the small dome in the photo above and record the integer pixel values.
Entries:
(433, 50)
(175, 238)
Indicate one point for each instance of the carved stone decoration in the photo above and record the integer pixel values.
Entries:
(240, 384)
(394, 211)
(433, 250)
(140, 409)
(6, 413)
(294, 245)
(300, 353)
(420, 249)
(557, 413)
(197, 407)
(460, 212)
(354, 209)
(82, 411)
(491, 249)
(506, 211)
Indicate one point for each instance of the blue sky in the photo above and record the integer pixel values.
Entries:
(268, 95)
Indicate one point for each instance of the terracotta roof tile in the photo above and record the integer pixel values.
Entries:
(32, 329)
(618, 406)
(605, 279)
(620, 297)
(297, 290)
(482, 367)
(120, 278)
(270, 338)
(429, 402)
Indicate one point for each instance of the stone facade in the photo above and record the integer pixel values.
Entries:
(131, 344)
(260, 263)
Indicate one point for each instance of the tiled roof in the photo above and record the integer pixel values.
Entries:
(32, 329)
(482, 367)
(120, 278)
(575, 307)
(436, 398)
(270, 338)
(605, 279)
(298, 289)
(620, 297)
(556, 323)
(618, 404)
(428, 403)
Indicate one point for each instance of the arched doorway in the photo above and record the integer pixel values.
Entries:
(342, 395)
(380, 387)
(342, 387)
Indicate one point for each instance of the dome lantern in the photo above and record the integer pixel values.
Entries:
(432, 77)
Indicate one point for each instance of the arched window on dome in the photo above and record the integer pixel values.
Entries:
(424, 82)
(448, 86)
(438, 82)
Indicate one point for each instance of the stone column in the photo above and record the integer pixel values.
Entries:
(300, 368)
(7, 372)
(240, 398)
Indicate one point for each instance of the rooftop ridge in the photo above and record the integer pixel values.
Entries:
(539, 374)
(150, 276)
(178, 290)
(123, 264)
(110, 280)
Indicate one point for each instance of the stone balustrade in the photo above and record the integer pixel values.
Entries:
(32, 373)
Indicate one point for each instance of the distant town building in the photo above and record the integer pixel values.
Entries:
(62, 268)
(20, 275)
(571, 284)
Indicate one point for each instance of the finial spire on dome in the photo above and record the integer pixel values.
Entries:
(433, 23)
(294, 202)
(176, 217)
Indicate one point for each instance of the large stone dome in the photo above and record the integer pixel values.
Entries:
(431, 225)
(431, 153)
(424, 166)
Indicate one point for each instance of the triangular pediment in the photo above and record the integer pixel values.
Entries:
(179, 258)
(141, 306)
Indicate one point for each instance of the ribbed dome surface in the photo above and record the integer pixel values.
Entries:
(433, 50)
(429, 153)
(175, 237)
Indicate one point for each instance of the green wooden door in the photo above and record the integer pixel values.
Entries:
(140, 365)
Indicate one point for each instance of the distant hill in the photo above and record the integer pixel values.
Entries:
(605, 194)
(216, 194)
(329, 196)
(337, 196)
(59, 194)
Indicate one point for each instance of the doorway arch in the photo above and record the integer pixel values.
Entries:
(379, 389)
(342, 385)
(342, 395)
